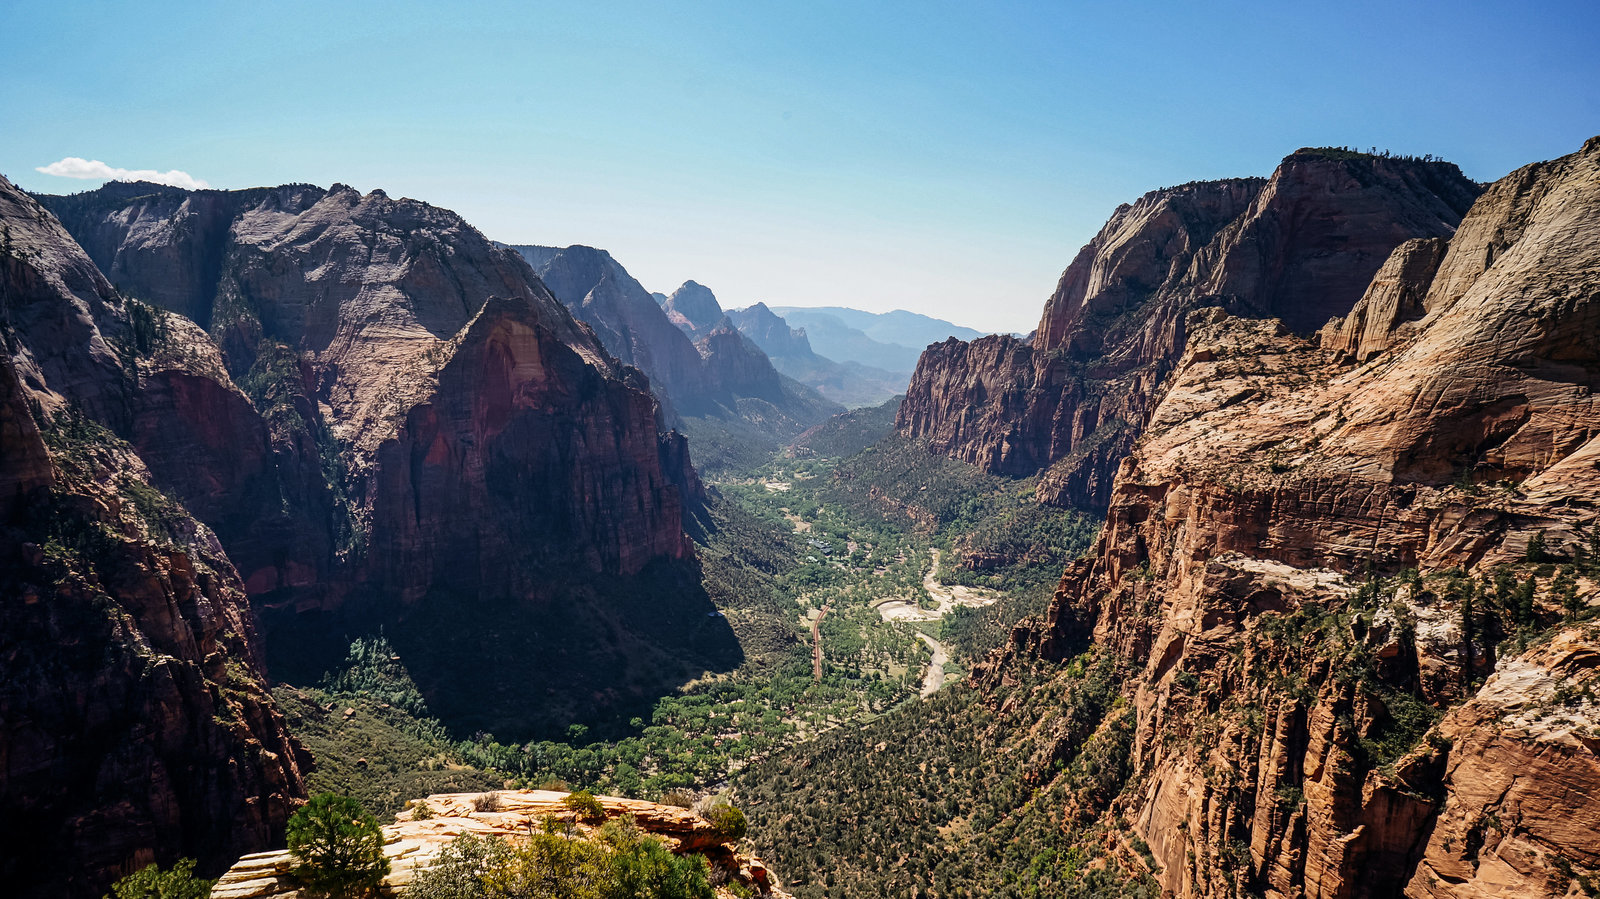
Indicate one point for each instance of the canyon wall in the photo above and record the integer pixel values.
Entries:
(1351, 589)
(135, 725)
(424, 440)
(364, 330)
(1300, 246)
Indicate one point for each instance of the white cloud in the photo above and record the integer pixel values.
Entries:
(94, 169)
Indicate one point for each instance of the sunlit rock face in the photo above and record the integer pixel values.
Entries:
(413, 843)
(1300, 247)
(427, 397)
(1269, 680)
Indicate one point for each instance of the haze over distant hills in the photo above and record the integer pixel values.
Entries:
(890, 340)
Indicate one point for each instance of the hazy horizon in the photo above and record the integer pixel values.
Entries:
(929, 157)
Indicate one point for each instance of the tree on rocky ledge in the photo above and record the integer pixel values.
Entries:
(339, 847)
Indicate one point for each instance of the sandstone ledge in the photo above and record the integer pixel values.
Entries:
(412, 845)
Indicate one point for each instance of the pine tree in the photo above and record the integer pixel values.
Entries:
(339, 847)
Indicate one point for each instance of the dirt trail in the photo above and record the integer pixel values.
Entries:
(816, 643)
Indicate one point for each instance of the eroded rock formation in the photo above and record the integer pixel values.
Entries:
(361, 324)
(1307, 559)
(412, 843)
(1300, 247)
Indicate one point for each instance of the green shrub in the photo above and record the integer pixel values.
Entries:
(151, 882)
(585, 806)
(338, 847)
(627, 865)
(728, 821)
(458, 872)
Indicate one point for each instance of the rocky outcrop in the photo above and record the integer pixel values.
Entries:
(1522, 772)
(1300, 247)
(1285, 696)
(1392, 301)
(135, 726)
(412, 843)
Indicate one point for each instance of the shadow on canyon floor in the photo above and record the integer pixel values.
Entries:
(592, 651)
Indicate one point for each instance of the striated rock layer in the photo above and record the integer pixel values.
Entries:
(135, 726)
(411, 844)
(1300, 247)
(1283, 745)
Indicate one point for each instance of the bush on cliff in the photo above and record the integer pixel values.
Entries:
(339, 847)
(728, 821)
(624, 864)
(151, 882)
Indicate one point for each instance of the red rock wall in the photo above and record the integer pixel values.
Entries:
(134, 721)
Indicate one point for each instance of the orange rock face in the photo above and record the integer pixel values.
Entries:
(1273, 685)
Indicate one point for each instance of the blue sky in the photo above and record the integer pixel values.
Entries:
(948, 158)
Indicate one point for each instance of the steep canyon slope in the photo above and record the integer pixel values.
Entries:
(445, 442)
(1351, 587)
(135, 725)
(1300, 246)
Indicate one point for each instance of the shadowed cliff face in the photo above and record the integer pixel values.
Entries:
(1292, 733)
(627, 319)
(1300, 246)
(136, 725)
(426, 440)
(350, 320)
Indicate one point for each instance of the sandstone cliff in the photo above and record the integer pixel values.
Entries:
(1300, 246)
(1307, 560)
(354, 318)
(412, 843)
(425, 435)
(134, 721)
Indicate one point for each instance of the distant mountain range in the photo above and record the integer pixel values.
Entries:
(715, 384)
(889, 340)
